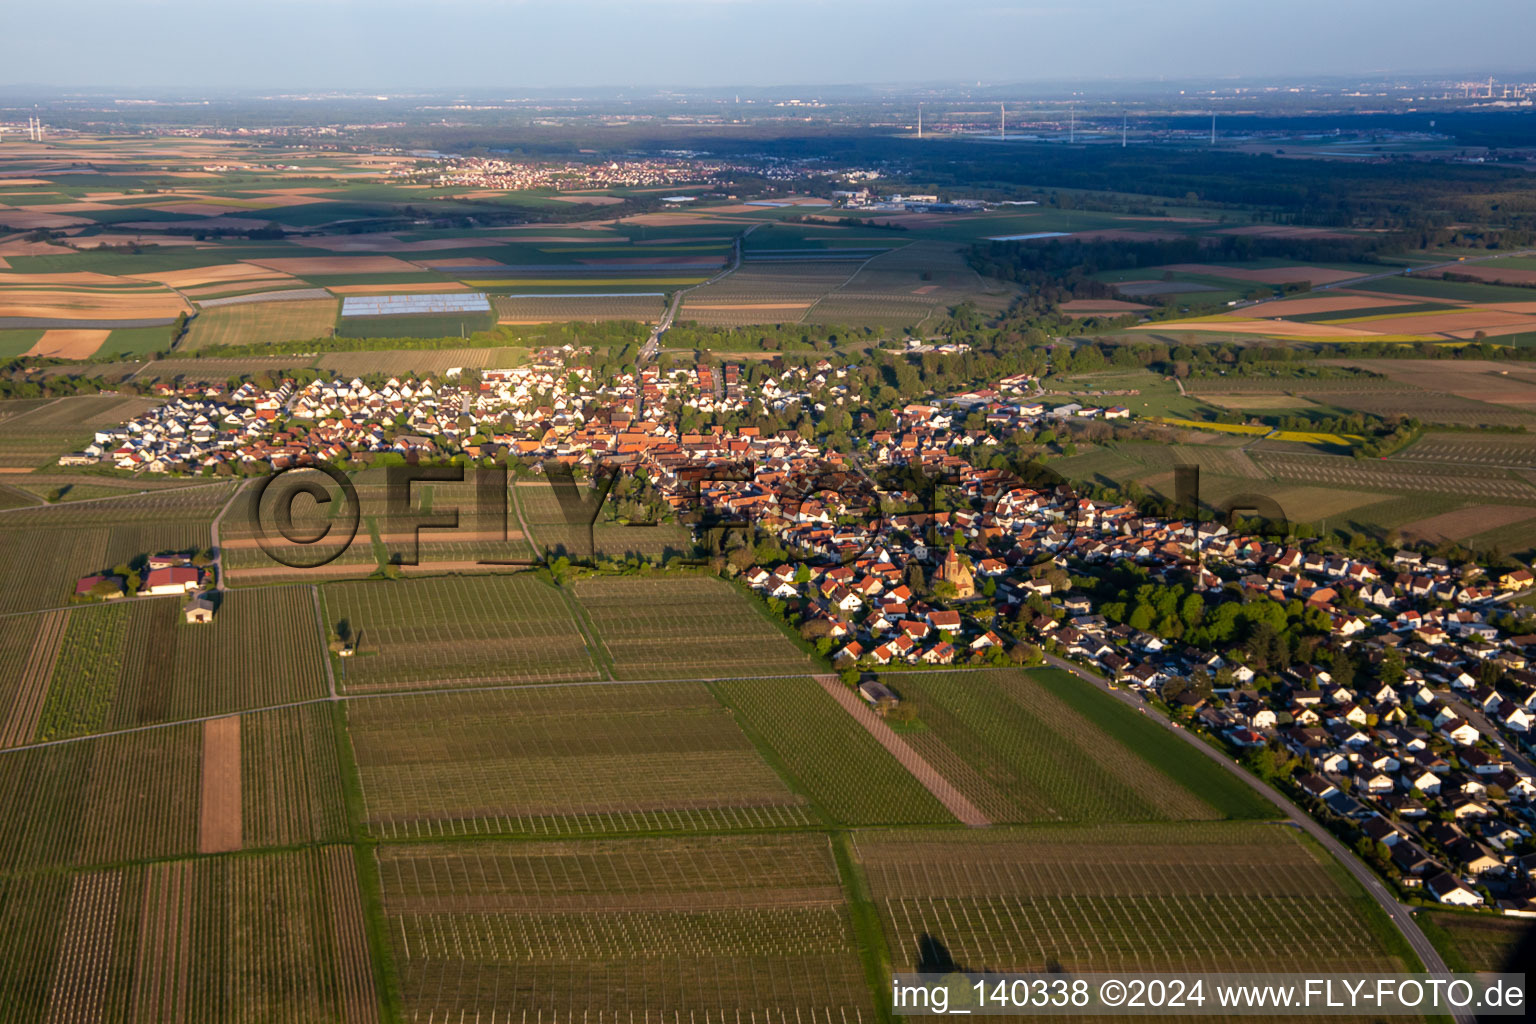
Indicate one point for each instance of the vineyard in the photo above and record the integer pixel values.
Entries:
(1023, 754)
(52, 546)
(537, 309)
(417, 362)
(768, 293)
(291, 789)
(1393, 476)
(561, 761)
(834, 759)
(1489, 450)
(688, 627)
(248, 323)
(1196, 897)
(137, 662)
(605, 538)
(85, 676)
(99, 801)
(456, 632)
(275, 939)
(753, 928)
(28, 651)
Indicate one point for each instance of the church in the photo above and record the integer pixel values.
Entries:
(954, 571)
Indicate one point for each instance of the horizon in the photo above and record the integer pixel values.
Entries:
(710, 44)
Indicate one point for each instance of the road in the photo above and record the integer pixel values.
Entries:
(213, 530)
(1401, 915)
(652, 346)
(1489, 731)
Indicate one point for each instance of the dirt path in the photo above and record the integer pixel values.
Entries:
(954, 800)
(219, 828)
(26, 709)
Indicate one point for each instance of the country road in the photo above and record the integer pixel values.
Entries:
(1401, 915)
(652, 346)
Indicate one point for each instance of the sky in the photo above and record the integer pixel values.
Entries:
(444, 44)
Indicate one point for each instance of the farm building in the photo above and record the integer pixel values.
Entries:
(875, 691)
(174, 579)
(199, 610)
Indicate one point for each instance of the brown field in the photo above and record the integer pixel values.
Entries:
(589, 200)
(1449, 322)
(21, 247)
(302, 265)
(20, 723)
(68, 344)
(1280, 401)
(1102, 306)
(665, 219)
(1124, 235)
(1493, 274)
(219, 827)
(222, 273)
(1161, 287)
(1464, 523)
(1280, 328)
(86, 244)
(463, 261)
(1327, 304)
(398, 289)
(1268, 275)
(751, 305)
(201, 209)
(652, 261)
(99, 306)
(26, 220)
(80, 277)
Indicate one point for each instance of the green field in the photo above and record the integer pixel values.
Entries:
(1045, 746)
(1476, 942)
(831, 757)
(255, 323)
(438, 325)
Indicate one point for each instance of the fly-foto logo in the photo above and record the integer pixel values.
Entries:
(305, 517)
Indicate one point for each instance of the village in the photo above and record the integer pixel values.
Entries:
(1404, 726)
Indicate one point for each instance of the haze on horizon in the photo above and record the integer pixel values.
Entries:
(294, 45)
